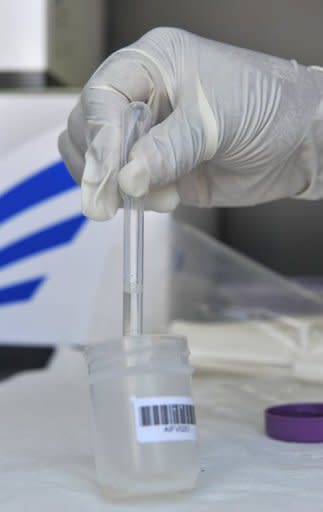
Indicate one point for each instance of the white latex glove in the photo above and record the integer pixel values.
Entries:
(232, 127)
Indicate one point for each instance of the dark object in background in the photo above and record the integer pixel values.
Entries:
(27, 80)
(284, 235)
(17, 359)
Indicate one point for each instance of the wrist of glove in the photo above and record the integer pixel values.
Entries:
(231, 126)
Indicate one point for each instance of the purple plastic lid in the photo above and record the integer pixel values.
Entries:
(298, 423)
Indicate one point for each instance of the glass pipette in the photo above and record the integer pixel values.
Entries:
(137, 121)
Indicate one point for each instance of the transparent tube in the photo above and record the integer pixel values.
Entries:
(133, 267)
(137, 121)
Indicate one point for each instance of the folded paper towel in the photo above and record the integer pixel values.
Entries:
(286, 345)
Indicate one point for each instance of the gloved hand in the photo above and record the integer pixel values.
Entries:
(232, 127)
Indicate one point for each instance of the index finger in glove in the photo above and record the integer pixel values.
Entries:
(104, 100)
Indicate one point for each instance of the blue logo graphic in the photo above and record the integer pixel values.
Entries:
(45, 184)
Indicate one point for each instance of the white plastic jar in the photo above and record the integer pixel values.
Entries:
(144, 418)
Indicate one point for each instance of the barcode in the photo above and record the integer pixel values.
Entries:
(164, 419)
(167, 414)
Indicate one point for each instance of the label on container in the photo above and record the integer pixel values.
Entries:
(164, 419)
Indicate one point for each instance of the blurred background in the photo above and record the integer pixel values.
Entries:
(49, 48)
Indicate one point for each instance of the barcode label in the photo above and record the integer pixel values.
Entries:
(164, 418)
(166, 414)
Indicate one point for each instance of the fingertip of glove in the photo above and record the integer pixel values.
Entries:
(134, 179)
(164, 200)
(61, 142)
(97, 208)
(72, 159)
